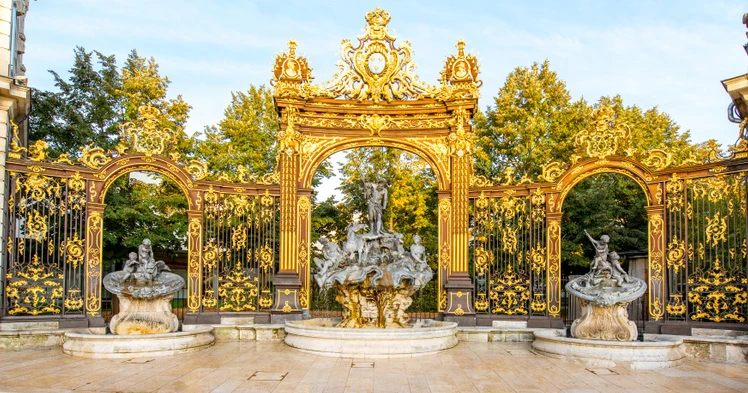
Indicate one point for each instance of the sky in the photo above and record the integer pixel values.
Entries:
(671, 55)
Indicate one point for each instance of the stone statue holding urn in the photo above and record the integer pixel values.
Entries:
(604, 293)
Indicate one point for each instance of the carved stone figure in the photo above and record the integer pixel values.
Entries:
(144, 288)
(376, 197)
(373, 275)
(604, 293)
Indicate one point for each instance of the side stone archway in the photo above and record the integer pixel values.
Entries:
(375, 99)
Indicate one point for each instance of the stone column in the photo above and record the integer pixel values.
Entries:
(94, 248)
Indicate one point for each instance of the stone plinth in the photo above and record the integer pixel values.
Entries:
(144, 316)
(321, 337)
(604, 323)
(85, 344)
(658, 352)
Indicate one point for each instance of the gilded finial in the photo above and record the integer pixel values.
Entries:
(378, 17)
(292, 47)
(460, 47)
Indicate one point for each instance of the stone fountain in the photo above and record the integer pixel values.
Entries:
(144, 288)
(145, 325)
(374, 278)
(603, 335)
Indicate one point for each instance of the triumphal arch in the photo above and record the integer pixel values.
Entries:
(375, 99)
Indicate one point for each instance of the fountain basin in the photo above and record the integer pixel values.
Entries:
(653, 353)
(107, 346)
(320, 337)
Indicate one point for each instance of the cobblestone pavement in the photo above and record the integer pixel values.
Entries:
(274, 367)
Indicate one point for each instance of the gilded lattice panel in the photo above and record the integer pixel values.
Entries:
(508, 254)
(240, 253)
(44, 248)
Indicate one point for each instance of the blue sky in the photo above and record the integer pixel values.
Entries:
(672, 55)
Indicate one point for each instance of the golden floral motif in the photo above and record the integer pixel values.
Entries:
(510, 292)
(717, 295)
(237, 290)
(483, 258)
(374, 123)
(509, 240)
(36, 226)
(265, 257)
(93, 157)
(198, 170)
(552, 171)
(657, 159)
(675, 306)
(716, 229)
(72, 248)
(676, 254)
(34, 289)
(145, 135)
(211, 255)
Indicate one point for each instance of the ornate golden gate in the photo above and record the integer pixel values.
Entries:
(697, 233)
(53, 242)
(375, 99)
(507, 263)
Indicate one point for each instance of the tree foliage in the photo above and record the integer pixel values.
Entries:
(155, 209)
(606, 203)
(85, 109)
(532, 122)
(245, 137)
(89, 108)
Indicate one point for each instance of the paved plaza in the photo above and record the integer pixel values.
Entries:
(274, 367)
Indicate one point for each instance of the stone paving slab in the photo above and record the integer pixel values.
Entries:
(275, 368)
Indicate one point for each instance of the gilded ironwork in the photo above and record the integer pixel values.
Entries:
(34, 289)
(376, 69)
(718, 295)
(510, 292)
(238, 289)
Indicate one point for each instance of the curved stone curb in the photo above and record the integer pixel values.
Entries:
(370, 343)
(662, 352)
(84, 344)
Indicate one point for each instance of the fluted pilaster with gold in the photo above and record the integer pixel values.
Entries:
(195, 260)
(94, 247)
(553, 269)
(445, 247)
(655, 215)
(304, 211)
(460, 287)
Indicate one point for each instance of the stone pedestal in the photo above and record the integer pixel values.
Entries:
(604, 323)
(144, 316)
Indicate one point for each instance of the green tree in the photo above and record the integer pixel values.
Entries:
(142, 84)
(532, 122)
(606, 203)
(86, 109)
(136, 209)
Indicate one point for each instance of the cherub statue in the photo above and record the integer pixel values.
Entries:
(600, 262)
(616, 270)
(132, 266)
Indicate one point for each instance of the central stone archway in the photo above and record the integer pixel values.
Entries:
(375, 99)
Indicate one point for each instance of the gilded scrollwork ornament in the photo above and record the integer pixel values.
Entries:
(376, 69)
